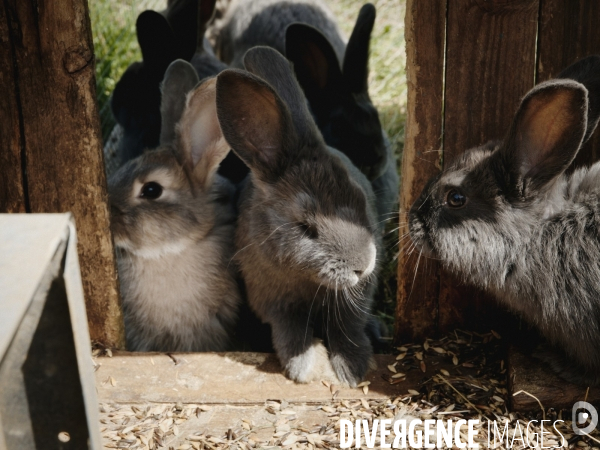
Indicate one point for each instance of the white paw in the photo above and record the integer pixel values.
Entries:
(312, 365)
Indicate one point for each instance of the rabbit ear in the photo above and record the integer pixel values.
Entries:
(182, 16)
(315, 64)
(200, 139)
(272, 67)
(356, 59)
(156, 39)
(180, 78)
(545, 135)
(587, 72)
(255, 122)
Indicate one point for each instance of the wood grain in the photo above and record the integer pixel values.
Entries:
(12, 195)
(528, 374)
(418, 287)
(53, 61)
(490, 65)
(568, 32)
(235, 378)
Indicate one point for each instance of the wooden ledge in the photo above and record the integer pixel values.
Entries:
(530, 375)
(228, 378)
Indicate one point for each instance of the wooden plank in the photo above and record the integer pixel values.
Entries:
(232, 379)
(54, 65)
(490, 65)
(12, 196)
(416, 311)
(568, 32)
(27, 245)
(528, 374)
(45, 368)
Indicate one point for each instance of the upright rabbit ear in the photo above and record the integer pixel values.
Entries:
(200, 139)
(316, 65)
(356, 60)
(255, 122)
(587, 72)
(156, 39)
(182, 16)
(272, 67)
(545, 135)
(180, 78)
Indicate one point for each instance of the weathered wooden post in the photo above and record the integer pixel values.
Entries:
(418, 287)
(50, 142)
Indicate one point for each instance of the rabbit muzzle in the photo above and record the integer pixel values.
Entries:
(346, 271)
(419, 234)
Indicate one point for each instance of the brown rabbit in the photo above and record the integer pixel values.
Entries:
(173, 223)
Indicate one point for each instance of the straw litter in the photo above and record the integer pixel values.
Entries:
(473, 388)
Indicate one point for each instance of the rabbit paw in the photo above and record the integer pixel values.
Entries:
(312, 365)
(351, 372)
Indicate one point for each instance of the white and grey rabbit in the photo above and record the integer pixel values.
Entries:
(506, 218)
(332, 74)
(306, 240)
(173, 223)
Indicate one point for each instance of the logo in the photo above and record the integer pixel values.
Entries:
(580, 418)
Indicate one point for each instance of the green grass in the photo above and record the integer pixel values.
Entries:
(115, 46)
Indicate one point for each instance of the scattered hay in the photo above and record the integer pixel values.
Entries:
(472, 385)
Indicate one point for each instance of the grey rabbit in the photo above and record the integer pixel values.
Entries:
(333, 76)
(506, 218)
(173, 223)
(306, 241)
(250, 23)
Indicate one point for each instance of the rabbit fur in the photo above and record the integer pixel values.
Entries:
(506, 218)
(163, 38)
(179, 291)
(306, 32)
(306, 245)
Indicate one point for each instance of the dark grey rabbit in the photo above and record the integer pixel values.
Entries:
(306, 241)
(506, 218)
(135, 102)
(305, 31)
(163, 38)
(173, 223)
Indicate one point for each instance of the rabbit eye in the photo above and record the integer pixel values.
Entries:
(309, 231)
(455, 199)
(151, 190)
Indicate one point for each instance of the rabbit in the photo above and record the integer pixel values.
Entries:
(173, 223)
(306, 241)
(135, 101)
(306, 32)
(188, 23)
(251, 23)
(506, 218)
(340, 102)
(208, 65)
